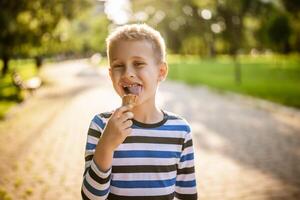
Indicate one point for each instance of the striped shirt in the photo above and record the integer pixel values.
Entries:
(156, 161)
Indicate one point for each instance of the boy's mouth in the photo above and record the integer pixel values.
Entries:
(132, 89)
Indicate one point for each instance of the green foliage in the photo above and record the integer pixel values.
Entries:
(279, 31)
(234, 26)
(274, 78)
(26, 25)
(292, 6)
(9, 95)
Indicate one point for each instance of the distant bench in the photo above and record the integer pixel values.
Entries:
(30, 85)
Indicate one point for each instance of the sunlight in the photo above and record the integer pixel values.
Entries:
(118, 11)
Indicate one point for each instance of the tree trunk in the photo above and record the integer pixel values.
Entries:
(5, 65)
(38, 62)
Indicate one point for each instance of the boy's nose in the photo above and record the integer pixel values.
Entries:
(129, 73)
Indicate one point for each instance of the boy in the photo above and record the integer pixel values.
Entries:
(138, 151)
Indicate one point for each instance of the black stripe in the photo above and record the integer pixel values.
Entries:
(84, 197)
(186, 196)
(154, 125)
(187, 170)
(143, 168)
(187, 144)
(85, 171)
(93, 132)
(106, 114)
(163, 197)
(97, 178)
(159, 140)
(89, 157)
(173, 117)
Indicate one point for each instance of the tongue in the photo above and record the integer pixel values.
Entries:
(136, 89)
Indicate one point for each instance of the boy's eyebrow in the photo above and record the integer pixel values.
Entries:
(133, 57)
(114, 60)
(137, 57)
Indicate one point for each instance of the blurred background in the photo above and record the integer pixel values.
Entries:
(237, 62)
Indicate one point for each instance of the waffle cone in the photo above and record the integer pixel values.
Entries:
(129, 99)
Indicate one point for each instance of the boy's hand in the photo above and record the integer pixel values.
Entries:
(117, 128)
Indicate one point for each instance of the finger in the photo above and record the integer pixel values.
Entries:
(118, 112)
(127, 124)
(125, 116)
(127, 131)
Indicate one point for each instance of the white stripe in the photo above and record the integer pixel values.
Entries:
(92, 140)
(187, 151)
(187, 163)
(98, 172)
(87, 164)
(141, 191)
(95, 184)
(158, 133)
(91, 196)
(147, 146)
(187, 136)
(144, 161)
(176, 122)
(144, 176)
(89, 152)
(186, 190)
(94, 126)
(185, 177)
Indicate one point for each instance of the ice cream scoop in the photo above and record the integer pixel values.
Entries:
(129, 99)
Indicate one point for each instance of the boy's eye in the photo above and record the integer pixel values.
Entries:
(118, 66)
(139, 63)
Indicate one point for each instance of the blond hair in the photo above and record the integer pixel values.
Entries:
(137, 32)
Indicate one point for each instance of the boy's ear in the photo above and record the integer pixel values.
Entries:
(163, 71)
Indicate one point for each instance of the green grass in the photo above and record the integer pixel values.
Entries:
(275, 78)
(9, 95)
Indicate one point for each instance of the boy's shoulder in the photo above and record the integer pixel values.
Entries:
(99, 120)
(174, 116)
(176, 119)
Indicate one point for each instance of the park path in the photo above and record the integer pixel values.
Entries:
(245, 149)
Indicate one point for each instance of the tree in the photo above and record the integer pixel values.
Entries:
(24, 23)
(279, 32)
(9, 31)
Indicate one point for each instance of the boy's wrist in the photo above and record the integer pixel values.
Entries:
(104, 146)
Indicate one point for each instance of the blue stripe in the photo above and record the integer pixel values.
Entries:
(146, 154)
(90, 146)
(99, 122)
(94, 191)
(144, 184)
(189, 156)
(168, 128)
(186, 183)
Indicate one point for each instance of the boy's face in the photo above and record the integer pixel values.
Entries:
(134, 69)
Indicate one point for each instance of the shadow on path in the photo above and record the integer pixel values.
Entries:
(252, 137)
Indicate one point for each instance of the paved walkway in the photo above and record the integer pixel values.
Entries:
(242, 150)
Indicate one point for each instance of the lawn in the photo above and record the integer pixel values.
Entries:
(272, 77)
(9, 95)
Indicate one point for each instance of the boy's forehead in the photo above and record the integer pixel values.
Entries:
(133, 49)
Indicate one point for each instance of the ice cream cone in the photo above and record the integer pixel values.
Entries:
(129, 99)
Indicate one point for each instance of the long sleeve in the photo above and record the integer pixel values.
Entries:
(96, 183)
(185, 187)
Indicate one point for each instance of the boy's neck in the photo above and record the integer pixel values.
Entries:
(148, 114)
